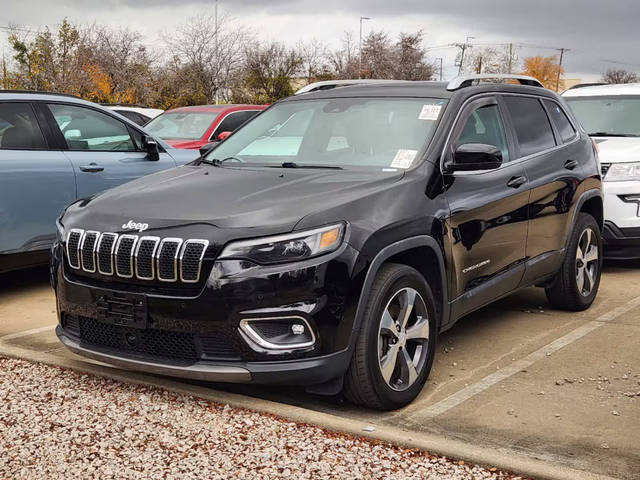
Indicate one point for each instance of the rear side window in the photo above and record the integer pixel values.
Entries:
(559, 118)
(19, 129)
(531, 123)
(232, 121)
(87, 129)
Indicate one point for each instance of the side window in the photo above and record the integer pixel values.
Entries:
(485, 126)
(87, 129)
(531, 123)
(559, 118)
(19, 128)
(231, 122)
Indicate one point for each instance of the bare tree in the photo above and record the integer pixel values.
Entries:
(269, 69)
(344, 61)
(208, 60)
(314, 55)
(614, 75)
(378, 59)
(410, 58)
(490, 60)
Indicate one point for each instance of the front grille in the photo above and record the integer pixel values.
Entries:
(131, 256)
(161, 344)
(605, 168)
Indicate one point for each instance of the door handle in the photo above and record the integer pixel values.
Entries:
(570, 164)
(91, 168)
(516, 182)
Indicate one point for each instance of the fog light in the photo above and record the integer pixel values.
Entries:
(277, 334)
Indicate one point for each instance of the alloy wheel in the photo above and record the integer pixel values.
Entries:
(587, 264)
(403, 339)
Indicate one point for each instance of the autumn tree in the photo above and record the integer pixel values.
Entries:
(545, 69)
(614, 75)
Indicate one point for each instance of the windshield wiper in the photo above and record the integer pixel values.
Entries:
(216, 162)
(306, 165)
(608, 134)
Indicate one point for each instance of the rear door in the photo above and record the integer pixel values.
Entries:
(36, 181)
(551, 162)
(488, 222)
(105, 152)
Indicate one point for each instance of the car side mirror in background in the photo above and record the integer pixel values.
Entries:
(222, 136)
(207, 148)
(475, 156)
(151, 147)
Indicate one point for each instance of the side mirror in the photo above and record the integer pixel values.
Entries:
(476, 156)
(151, 147)
(206, 148)
(222, 136)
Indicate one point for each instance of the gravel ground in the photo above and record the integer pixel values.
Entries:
(56, 423)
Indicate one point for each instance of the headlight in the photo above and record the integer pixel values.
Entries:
(622, 172)
(287, 248)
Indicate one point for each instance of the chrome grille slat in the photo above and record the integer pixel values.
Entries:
(104, 253)
(133, 256)
(145, 257)
(73, 247)
(191, 260)
(167, 259)
(88, 251)
(124, 255)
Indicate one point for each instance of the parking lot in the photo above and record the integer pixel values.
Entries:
(514, 378)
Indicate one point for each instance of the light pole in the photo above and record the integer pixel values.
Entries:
(440, 59)
(360, 48)
(217, 54)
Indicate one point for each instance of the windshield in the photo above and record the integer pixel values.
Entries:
(608, 116)
(181, 125)
(341, 132)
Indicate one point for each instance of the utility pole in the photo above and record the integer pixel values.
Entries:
(562, 50)
(510, 56)
(440, 58)
(217, 53)
(360, 48)
(464, 46)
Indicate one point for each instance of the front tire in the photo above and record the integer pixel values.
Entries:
(395, 347)
(576, 284)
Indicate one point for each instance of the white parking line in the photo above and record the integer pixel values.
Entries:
(468, 392)
(26, 333)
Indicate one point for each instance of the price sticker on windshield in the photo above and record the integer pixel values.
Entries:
(403, 158)
(430, 112)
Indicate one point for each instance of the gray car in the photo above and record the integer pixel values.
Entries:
(56, 149)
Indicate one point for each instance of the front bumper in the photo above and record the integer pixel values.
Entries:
(208, 322)
(620, 243)
(299, 372)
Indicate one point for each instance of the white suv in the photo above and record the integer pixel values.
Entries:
(611, 115)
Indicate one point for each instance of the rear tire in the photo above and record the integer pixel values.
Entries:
(576, 284)
(392, 358)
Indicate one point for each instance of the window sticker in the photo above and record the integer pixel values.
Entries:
(430, 112)
(404, 158)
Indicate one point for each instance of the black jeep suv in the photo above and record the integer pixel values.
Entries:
(328, 241)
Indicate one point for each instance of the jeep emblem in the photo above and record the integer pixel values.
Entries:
(141, 227)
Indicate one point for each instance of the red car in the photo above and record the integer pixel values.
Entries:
(194, 127)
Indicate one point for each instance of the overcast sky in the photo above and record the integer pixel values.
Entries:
(597, 33)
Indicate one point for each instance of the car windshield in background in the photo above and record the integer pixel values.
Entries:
(181, 125)
(342, 132)
(615, 116)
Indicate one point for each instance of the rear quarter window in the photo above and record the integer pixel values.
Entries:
(559, 118)
(530, 121)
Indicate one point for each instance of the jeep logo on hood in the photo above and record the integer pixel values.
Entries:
(131, 225)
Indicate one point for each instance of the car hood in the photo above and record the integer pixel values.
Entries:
(618, 149)
(226, 197)
(192, 144)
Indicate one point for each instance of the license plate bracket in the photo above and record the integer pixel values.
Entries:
(124, 309)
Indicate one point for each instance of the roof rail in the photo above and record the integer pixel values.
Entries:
(329, 84)
(40, 92)
(462, 81)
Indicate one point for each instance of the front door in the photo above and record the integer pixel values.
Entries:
(36, 183)
(105, 152)
(487, 227)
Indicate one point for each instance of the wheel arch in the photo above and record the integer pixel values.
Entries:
(421, 252)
